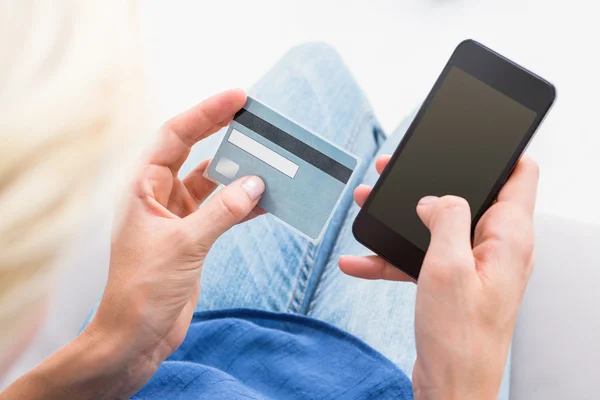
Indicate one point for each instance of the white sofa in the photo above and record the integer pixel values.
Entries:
(556, 349)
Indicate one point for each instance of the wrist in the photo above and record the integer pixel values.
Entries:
(451, 392)
(118, 368)
(122, 362)
(94, 366)
(451, 386)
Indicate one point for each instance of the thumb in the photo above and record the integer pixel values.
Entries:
(226, 208)
(449, 221)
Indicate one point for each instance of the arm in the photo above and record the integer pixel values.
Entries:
(157, 252)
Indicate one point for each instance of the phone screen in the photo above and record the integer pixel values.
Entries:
(460, 146)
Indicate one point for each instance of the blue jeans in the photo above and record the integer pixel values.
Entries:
(264, 265)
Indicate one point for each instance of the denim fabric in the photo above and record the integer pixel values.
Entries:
(263, 265)
(251, 354)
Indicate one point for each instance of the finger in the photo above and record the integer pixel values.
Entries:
(381, 163)
(226, 208)
(179, 134)
(521, 187)
(197, 185)
(372, 267)
(361, 193)
(449, 221)
(192, 125)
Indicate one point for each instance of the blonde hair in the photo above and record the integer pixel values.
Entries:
(70, 87)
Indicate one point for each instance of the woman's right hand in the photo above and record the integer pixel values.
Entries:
(468, 296)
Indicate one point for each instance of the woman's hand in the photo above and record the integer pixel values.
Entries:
(468, 295)
(159, 246)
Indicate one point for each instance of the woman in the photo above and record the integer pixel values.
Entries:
(201, 303)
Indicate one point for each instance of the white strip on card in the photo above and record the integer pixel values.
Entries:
(263, 153)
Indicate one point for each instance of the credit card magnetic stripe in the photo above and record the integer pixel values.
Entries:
(295, 146)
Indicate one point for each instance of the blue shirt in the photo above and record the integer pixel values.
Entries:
(249, 354)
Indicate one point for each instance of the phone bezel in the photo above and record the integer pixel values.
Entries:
(498, 72)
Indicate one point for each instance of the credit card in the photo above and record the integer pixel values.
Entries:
(305, 175)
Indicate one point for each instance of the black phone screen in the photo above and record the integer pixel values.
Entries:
(460, 146)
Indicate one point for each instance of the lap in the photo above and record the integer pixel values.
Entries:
(261, 264)
(379, 312)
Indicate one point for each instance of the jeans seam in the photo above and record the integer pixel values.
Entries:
(302, 280)
(304, 275)
(370, 117)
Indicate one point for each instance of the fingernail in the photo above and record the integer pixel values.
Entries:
(428, 200)
(254, 186)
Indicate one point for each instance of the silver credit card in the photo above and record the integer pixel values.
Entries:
(305, 175)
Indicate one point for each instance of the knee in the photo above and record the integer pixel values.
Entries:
(314, 50)
(314, 68)
(319, 55)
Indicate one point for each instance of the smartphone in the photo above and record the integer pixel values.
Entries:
(465, 141)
